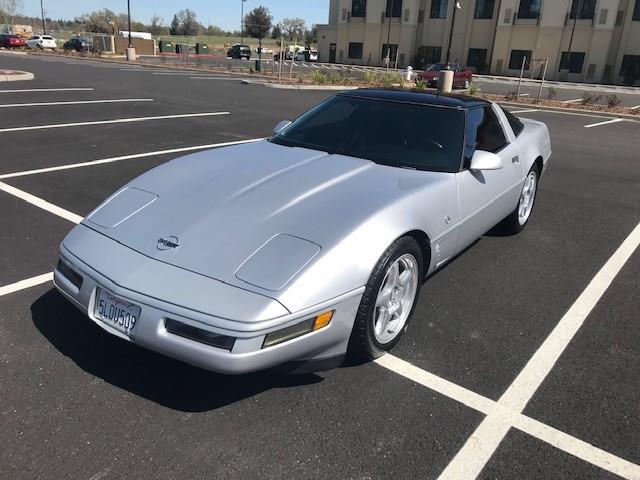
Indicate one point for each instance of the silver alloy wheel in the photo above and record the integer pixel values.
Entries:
(395, 299)
(527, 197)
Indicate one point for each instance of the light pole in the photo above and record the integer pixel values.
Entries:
(242, 20)
(131, 52)
(573, 30)
(44, 25)
(129, 20)
(457, 6)
(390, 16)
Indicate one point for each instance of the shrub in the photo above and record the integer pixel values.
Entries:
(390, 79)
(512, 95)
(318, 77)
(370, 77)
(613, 101)
(420, 84)
(590, 98)
(473, 90)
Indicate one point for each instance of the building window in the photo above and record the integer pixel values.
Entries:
(630, 69)
(585, 9)
(392, 53)
(394, 8)
(438, 9)
(529, 8)
(478, 59)
(572, 62)
(515, 62)
(636, 12)
(484, 9)
(432, 54)
(355, 51)
(359, 8)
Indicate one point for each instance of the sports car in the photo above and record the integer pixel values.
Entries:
(300, 249)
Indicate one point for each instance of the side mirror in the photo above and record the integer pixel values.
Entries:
(281, 126)
(485, 161)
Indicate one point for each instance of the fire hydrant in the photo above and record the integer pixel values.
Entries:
(409, 73)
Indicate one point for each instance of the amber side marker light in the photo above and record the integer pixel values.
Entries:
(298, 330)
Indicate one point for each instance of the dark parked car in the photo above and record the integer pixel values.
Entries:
(79, 44)
(239, 51)
(462, 77)
(12, 41)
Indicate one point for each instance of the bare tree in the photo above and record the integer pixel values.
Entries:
(293, 28)
(11, 7)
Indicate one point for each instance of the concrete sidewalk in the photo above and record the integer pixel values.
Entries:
(557, 84)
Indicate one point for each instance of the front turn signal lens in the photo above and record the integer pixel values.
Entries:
(298, 330)
(322, 320)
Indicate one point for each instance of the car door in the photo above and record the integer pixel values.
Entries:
(487, 196)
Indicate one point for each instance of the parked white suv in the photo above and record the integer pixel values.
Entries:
(41, 41)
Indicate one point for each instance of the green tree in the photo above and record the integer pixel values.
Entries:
(276, 32)
(257, 24)
(174, 29)
(311, 36)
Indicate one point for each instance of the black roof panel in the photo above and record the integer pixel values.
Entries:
(417, 97)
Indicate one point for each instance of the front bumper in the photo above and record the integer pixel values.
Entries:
(247, 353)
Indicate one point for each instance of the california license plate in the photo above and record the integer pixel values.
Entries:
(116, 312)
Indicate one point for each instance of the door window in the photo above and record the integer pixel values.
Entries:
(484, 130)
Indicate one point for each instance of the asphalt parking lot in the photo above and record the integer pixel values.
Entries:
(522, 360)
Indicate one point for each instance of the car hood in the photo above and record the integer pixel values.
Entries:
(252, 215)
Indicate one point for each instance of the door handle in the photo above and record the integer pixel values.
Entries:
(515, 159)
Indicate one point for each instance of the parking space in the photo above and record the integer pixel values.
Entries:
(458, 398)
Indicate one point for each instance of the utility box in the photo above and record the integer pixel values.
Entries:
(165, 47)
(202, 49)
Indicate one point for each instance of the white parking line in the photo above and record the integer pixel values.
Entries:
(509, 418)
(106, 122)
(635, 108)
(35, 90)
(40, 203)
(575, 100)
(83, 102)
(615, 120)
(125, 157)
(525, 111)
(24, 284)
(483, 443)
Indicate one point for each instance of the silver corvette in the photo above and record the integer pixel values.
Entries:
(308, 246)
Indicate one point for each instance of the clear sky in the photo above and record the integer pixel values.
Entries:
(224, 13)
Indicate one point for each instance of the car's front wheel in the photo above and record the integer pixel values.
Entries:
(388, 301)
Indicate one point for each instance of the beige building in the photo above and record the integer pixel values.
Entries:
(584, 40)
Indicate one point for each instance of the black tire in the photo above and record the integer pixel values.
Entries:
(362, 343)
(511, 224)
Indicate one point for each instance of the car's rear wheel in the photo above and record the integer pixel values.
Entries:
(388, 301)
(518, 219)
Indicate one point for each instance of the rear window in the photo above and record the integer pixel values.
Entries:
(47, 38)
(516, 125)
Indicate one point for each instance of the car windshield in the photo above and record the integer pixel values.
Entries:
(391, 133)
(436, 67)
